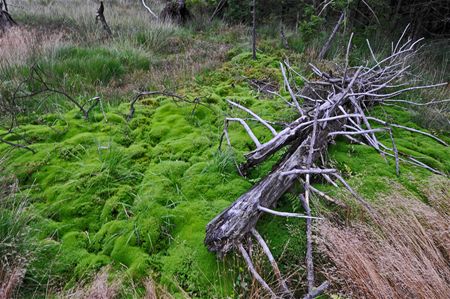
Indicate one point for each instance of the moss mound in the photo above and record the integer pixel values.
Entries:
(137, 195)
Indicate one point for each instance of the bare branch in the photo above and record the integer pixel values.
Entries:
(149, 9)
(262, 121)
(285, 214)
(408, 129)
(288, 86)
(252, 270)
(309, 171)
(272, 261)
(246, 127)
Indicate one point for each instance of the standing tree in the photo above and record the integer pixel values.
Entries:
(254, 29)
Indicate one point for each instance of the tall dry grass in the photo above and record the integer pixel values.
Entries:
(99, 288)
(79, 15)
(405, 255)
(14, 250)
(19, 45)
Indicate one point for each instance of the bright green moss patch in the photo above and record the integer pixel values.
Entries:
(138, 195)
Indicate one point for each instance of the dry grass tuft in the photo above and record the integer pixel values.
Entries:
(12, 259)
(154, 291)
(438, 194)
(19, 44)
(406, 255)
(100, 288)
(11, 279)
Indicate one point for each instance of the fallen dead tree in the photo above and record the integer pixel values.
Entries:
(331, 106)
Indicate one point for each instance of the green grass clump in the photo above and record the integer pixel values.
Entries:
(95, 65)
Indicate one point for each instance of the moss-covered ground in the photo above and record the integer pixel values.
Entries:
(137, 195)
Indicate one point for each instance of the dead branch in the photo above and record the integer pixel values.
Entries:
(149, 10)
(220, 6)
(255, 274)
(433, 102)
(334, 104)
(36, 77)
(327, 44)
(309, 257)
(285, 214)
(262, 121)
(101, 17)
(6, 21)
(144, 94)
(272, 261)
(246, 127)
(17, 145)
(384, 123)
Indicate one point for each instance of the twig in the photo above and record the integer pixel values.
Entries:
(149, 93)
(327, 44)
(394, 147)
(285, 214)
(327, 197)
(309, 171)
(252, 270)
(288, 86)
(149, 9)
(17, 145)
(272, 261)
(408, 129)
(309, 257)
(433, 102)
(246, 127)
(262, 121)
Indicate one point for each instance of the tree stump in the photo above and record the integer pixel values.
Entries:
(176, 12)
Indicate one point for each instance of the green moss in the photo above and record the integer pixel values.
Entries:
(137, 195)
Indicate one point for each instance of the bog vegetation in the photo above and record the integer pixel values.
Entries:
(99, 200)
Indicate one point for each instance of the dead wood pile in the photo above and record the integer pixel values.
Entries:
(330, 106)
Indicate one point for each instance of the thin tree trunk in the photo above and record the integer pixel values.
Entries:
(254, 29)
(101, 17)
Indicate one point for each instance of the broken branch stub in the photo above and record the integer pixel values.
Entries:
(335, 105)
(6, 21)
(100, 17)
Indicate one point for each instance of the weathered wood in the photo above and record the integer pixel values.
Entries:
(6, 21)
(327, 44)
(276, 269)
(100, 17)
(225, 231)
(335, 106)
(149, 10)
